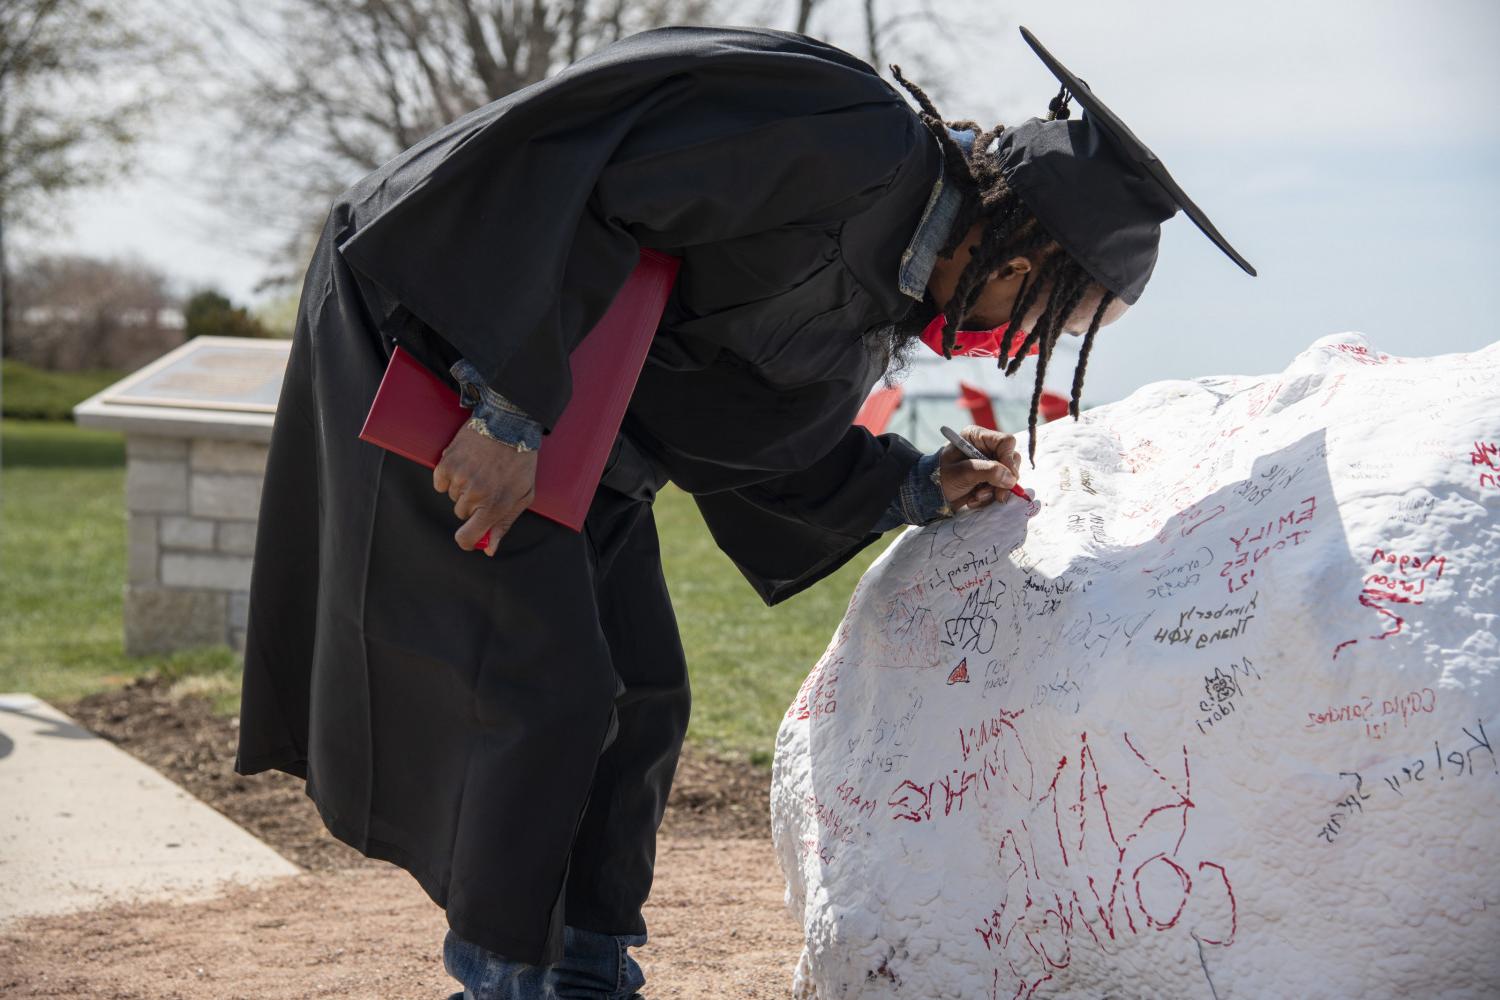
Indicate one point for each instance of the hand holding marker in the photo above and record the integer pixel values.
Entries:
(967, 447)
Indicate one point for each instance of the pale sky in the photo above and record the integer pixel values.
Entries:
(1349, 150)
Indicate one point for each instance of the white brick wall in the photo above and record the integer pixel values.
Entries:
(192, 510)
(154, 446)
(163, 619)
(178, 532)
(225, 495)
(208, 570)
(155, 486)
(142, 547)
(237, 537)
(209, 455)
(239, 609)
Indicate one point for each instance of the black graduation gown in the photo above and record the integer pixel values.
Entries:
(452, 712)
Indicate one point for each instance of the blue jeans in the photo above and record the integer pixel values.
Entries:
(594, 966)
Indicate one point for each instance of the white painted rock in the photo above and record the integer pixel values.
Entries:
(1219, 719)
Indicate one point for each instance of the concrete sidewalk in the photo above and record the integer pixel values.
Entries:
(83, 823)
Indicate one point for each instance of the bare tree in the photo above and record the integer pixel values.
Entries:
(74, 312)
(65, 120)
(879, 20)
(804, 15)
(324, 91)
(319, 92)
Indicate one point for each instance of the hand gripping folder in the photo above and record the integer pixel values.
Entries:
(415, 414)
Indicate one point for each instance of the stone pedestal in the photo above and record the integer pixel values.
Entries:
(194, 467)
(192, 504)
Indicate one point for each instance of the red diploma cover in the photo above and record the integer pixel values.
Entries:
(415, 414)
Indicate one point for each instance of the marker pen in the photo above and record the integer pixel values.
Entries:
(963, 445)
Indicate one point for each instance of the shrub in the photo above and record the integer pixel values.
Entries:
(209, 312)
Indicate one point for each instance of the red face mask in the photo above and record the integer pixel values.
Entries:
(972, 343)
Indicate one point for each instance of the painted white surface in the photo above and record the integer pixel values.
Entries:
(83, 823)
(1219, 719)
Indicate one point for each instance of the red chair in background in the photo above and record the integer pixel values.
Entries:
(977, 402)
(1052, 406)
(878, 407)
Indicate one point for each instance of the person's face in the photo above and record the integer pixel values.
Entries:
(995, 302)
(999, 297)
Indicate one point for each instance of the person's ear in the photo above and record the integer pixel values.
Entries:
(1016, 266)
(1019, 265)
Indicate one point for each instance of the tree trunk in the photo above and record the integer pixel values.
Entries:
(804, 14)
(4, 301)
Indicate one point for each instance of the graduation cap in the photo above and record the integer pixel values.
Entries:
(1096, 187)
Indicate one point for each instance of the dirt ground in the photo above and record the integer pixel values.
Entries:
(353, 927)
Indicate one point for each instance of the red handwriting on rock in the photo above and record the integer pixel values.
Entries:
(1133, 888)
(809, 846)
(1395, 579)
(1333, 387)
(863, 807)
(1260, 541)
(976, 738)
(816, 698)
(1144, 455)
(1375, 714)
(838, 818)
(1365, 356)
(1486, 455)
(832, 823)
(1197, 516)
(994, 760)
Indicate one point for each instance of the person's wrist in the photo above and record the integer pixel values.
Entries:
(935, 499)
(921, 496)
(497, 417)
(508, 426)
(478, 425)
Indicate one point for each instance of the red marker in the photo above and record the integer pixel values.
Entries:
(963, 445)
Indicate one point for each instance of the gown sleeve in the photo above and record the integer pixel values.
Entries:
(786, 533)
(510, 231)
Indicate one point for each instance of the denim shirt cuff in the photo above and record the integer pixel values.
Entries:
(921, 496)
(920, 499)
(501, 419)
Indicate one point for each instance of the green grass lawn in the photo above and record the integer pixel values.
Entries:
(745, 660)
(39, 394)
(62, 566)
(62, 579)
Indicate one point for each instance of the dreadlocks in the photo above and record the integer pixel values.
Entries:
(1009, 230)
